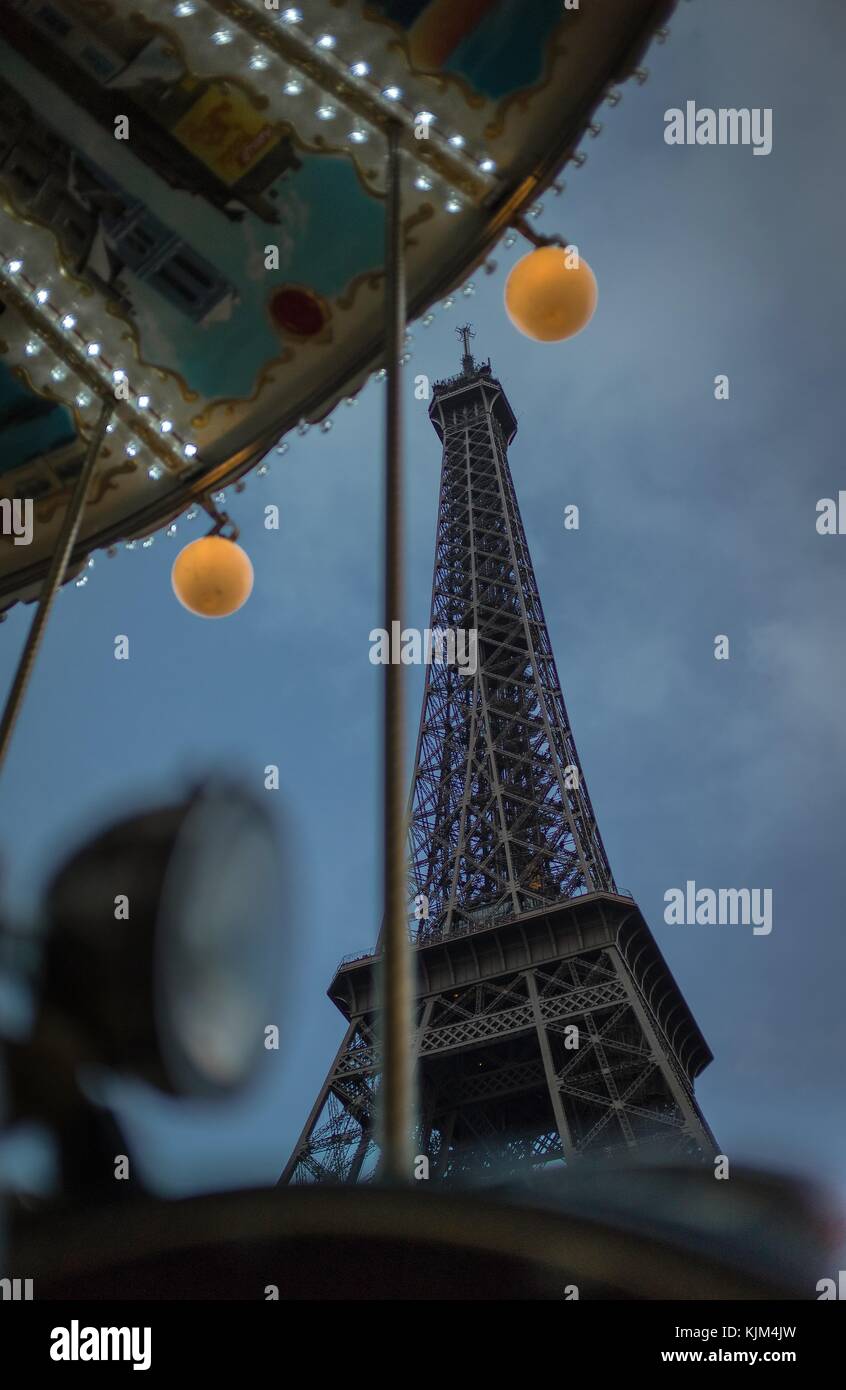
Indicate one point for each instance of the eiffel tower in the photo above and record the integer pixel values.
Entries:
(548, 1026)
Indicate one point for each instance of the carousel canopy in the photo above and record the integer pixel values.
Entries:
(192, 218)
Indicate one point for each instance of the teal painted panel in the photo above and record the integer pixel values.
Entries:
(29, 424)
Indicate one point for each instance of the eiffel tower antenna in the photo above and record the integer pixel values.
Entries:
(547, 1025)
(465, 333)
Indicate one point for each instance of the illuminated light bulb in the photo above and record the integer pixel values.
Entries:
(488, 166)
(326, 41)
(118, 375)
(42, 296)
(131, 450)
(358, 137)
(548, 297)
(212, 577)
(14, 266)
(33, 347)
(326, 112)
(184, 9)
(166, 426)
(453, 203)
(93, 349)
(222, 36)
(68, 322)
(292, 15)
(293, 87)
(457, 141)
(360, 69)
(259, 61)
(392, 93)
(423, 182)
(58, 373)
(155, 471)
(83, 399)
(190, 450)
(143, 402)
(424, 118)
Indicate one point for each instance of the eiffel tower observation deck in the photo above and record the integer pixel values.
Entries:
(548, 1027)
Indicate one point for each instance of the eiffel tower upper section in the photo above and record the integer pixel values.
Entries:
(500, 818)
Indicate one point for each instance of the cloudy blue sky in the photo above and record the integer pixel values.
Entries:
(697, 518)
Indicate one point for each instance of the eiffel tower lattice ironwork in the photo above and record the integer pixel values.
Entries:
(547, 1024)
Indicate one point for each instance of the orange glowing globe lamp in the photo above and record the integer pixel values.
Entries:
(212, 577)
(551, 294)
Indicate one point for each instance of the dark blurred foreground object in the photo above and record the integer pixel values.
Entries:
(160, 960)
(656, 1234)
(178, 993)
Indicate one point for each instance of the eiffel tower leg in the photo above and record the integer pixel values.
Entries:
(695, 1125)
(302, 1149)
(358, 1157)
(425, 1109)
(567, 1146)
(623, 1085)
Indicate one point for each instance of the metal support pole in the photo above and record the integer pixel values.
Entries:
(396, 1093)
(52, 583)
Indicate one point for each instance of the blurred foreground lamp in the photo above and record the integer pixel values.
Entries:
(551, 294)
(212, 577)
(163, 951)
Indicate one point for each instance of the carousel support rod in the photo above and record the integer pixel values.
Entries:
(537, 238)
(221, 519)
(396, 1095)
(53, 580)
